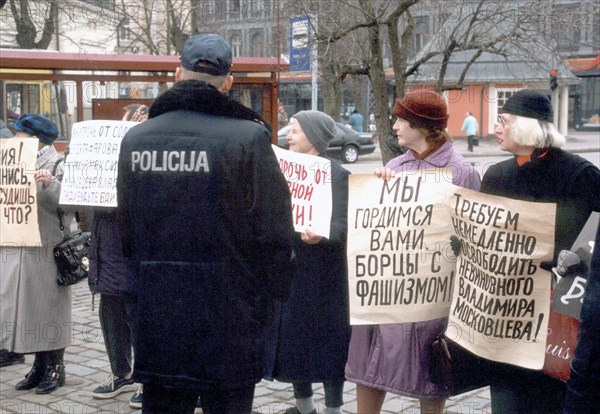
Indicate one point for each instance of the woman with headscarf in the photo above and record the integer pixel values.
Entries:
(314, 330)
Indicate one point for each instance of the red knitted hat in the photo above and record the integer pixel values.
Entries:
(422, 108)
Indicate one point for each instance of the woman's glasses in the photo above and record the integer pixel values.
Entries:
(501, 121)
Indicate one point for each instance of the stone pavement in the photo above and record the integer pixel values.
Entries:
(87, 364)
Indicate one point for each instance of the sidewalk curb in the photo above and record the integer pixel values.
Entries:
(502, 153)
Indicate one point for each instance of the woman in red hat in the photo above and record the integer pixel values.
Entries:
(395, 357)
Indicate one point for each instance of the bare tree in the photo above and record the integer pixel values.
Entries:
(160, 26)
(153, 26)
(465, 31)
(28, 29)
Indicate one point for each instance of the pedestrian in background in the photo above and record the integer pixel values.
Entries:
(356, 121)
(470, 126)
(111, 275)
(314, 330)
(30, 297)
(282, 117)
(539, 171)
(396, 357)
(209, 226)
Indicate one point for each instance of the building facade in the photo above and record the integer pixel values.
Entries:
(260, 28)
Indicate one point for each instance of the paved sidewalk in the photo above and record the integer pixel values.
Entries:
(87, 364)
(577, 141)
(488, 148)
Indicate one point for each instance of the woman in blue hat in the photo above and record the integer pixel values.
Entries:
(32, 303)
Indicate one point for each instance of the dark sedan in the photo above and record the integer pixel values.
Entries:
(347, 144)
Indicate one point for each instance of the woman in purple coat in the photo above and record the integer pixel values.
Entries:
(395, 357)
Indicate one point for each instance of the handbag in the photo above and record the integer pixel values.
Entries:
(454, 368)
(440, 364)
(71, 255)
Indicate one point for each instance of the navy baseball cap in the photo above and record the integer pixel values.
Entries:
(209, 48)
(37, 125)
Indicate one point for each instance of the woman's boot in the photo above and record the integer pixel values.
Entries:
(54, 376)
(35, 376)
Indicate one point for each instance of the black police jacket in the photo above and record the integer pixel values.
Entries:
(206, 214)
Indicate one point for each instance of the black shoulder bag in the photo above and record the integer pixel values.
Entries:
(71, 254)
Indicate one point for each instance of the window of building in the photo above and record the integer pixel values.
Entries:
(253, 11)
(235, 5)
(418, 41)
(595, 32)
(503, 95)
(420, 33)
(211, 10)
(124, 32)
(105, 4)
(257, 44)
(236, 45)
(567, 35)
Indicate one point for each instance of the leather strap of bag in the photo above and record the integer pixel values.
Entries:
(59, 211)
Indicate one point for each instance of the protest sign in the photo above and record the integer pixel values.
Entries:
(501, 297)
(309, 181)
(563, 325)
(400, 265)
(91, 167)
(572, 270)
(568, 295)
(18, 192)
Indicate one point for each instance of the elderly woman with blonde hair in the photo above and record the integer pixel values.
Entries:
(539, 171)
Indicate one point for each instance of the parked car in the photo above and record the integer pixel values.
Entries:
(347, 144)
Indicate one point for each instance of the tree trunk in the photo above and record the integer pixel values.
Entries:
(380, 93)
(332, 98)
(49, 26)
(25, 28)
(331, 82)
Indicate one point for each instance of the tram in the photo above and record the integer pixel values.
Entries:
(72, 87)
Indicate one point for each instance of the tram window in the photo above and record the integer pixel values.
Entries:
(248, 96)
(23, 98)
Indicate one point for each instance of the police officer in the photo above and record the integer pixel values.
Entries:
(207, 218)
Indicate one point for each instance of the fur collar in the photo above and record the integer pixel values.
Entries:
(198, 96)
